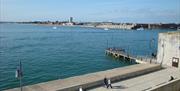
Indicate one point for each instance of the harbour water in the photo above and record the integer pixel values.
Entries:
(48, 54)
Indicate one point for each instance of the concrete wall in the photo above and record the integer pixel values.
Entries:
(113, 79)
(168, 47)
(92, 79)
(170, 86)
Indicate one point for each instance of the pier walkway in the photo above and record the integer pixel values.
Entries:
(145, 82)
(92, 79)
(119, 53)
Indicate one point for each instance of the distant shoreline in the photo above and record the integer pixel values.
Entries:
(106, 25)
(102, 27)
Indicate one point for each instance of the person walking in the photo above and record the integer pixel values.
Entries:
(105, 82)
(109, 83)
(80, 89)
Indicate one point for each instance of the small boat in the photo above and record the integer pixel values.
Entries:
(106, 29)
(54, 27)
(141, 28)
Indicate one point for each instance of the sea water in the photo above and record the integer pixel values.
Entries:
(48, 54)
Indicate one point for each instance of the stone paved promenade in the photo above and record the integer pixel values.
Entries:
(144, 82)
(92, 79)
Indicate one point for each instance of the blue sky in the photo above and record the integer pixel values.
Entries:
(139, 11)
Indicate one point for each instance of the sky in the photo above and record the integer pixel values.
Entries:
(123, 11)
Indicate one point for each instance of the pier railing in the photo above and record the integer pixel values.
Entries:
(120, 53)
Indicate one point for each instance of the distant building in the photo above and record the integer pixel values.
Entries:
(169, 49)
(71, 20)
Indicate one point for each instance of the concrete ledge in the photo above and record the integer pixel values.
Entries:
(169, 86)
(92, 79)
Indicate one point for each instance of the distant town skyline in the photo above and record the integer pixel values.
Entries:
(134, 11)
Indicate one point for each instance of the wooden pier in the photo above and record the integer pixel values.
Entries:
(119, 53)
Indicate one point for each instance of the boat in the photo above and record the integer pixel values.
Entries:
(141, 28)
(106, 29)
(54, 27)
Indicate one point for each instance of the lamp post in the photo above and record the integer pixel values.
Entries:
(19, 74)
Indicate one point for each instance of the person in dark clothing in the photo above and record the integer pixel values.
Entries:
(105, 81)
(153, 55)
(172, 78)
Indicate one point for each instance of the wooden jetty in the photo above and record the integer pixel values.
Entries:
(119, 53)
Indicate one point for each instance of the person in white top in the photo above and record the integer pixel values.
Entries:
(109, 83)
(80, 89)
